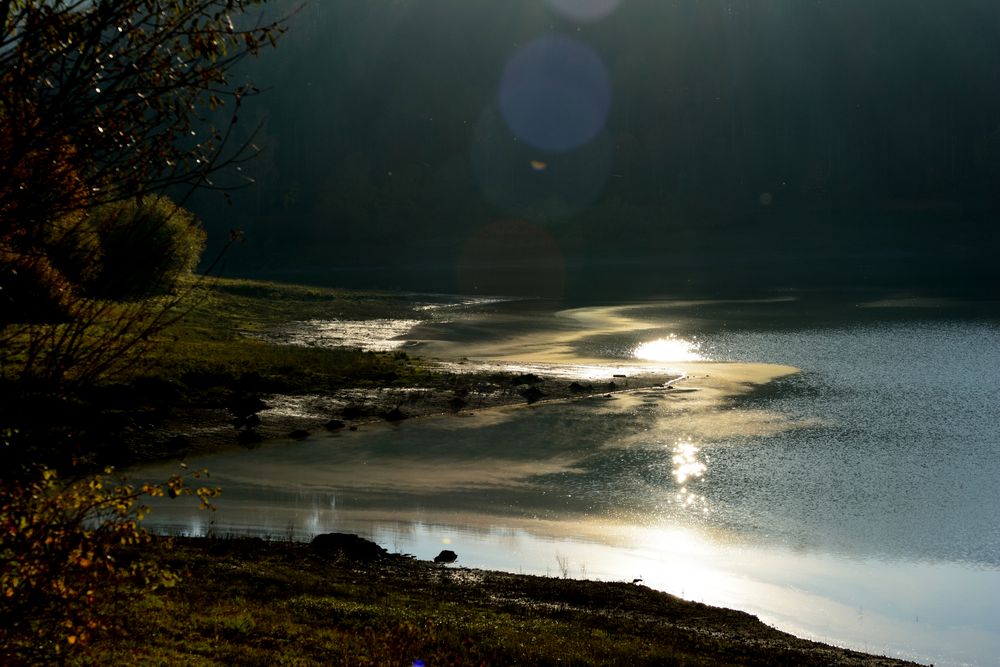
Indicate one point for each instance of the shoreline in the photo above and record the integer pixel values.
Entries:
(532, 364)
(707, 634)
(206, 430)
(702, 386)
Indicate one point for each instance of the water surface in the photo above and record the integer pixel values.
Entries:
(853, 500)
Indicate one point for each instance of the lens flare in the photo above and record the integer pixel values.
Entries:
(555, 93)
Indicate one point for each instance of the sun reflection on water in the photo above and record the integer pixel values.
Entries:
(687, 467)
(671, 348)
(686, 463)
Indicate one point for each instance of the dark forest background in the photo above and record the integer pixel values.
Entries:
(750, 144)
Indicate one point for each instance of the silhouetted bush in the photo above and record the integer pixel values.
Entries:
(73, 246)
(148, 245)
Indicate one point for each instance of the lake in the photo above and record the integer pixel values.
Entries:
(831, 465)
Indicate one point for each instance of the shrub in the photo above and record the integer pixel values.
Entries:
(74, 246)
(148, 244)
(72, 306)
(71, 554)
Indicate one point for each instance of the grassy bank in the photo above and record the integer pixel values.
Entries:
(249, 602)
(201, 369)
(215, 338)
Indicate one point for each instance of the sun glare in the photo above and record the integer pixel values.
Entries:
(686, 463)
(671, 348)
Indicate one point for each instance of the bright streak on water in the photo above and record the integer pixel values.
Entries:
(686, 463)
(369, 335)
(671, 348)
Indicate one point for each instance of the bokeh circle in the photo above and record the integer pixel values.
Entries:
(555, 93)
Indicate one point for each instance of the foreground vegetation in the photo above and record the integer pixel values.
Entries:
(250, 602)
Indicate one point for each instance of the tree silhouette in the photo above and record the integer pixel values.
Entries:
(102, 100)
(106, 101)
